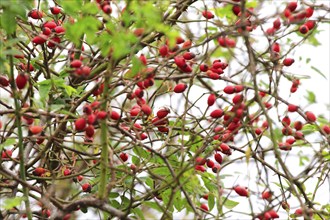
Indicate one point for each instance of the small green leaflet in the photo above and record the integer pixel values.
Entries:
(8, 142)
(318, 71)
(12, 202)
(229, 204)
(311, 98)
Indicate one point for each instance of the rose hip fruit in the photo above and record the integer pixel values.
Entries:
(179, 88)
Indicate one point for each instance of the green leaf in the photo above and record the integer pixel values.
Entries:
(318, 71)
(12, 202)
(153, 205)
(139, 213)
(44, 88)
(8, 21)
(7, 143)
(211, 201)
(311, 98)
(229, 204)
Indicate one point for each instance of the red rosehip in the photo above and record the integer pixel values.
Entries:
(89, 131)
(209, 163)
(277, 24)
(35, 129)
(216, 168)
(80, 124)
(86, 187)
(76, 63)
(6, 154)
(146, 109)
(200, 168)
(40, 39)
(163, 50)
(200, 161)
(59, 29)
(101, 115)
(218, 158)
(267, 195)
(204, 207)
(292, 6)
(298, 125)
(229, 90)
(310, 24)
(66, 172)
(55, 10)
(242, 191)
(303, 29)
(188, 55)
(163, 112)
(292, 108)
(286, 121)
(224, 148)
(35, 14)
(107, 9)
(211, 99)
(288, 61)
(217, 113)
(326, 129)
(114, 115)
(50, 24)
(203, 67)
(310, 116)
(276, 47)
(309, 11)
(207, 14)
(180, 61)
(179, 88)
(123, 157)
(4, 81)
(39, 171)
(21, 80)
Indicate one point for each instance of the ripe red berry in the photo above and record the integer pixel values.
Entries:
(204, 207)
(303, 29)
(39, 171)
(180, 61)
(89, 131)
(86, 187)
(288, 61)
(50, 24)
(242, 191)
(135, 111)
(163, 112)
(59, 29)
(267, 195)
(273, 214)
(276, 47)
(80, 124)
(209, 163)
(218, 158)
(229, 89)
(6, 154)
(4, 81)
(66, 172)
(292, 6)
(292, 108)
(225, 148)
(309, 11)
(21, 81)
(200, 168)
(123, 157)
(163, 50)
(179, 88)
(258, 131)
(146, 109)
(236, 9)
(212, 75)
(35, 14)
(310, 24)
(40, 39)
(76, 63)
(286, 121)
(326, 129)
(200, 161)
(216, 168)
(35, 129)
(55, 10)
(114, 115)
(217, 113)
(188, 55)
(277, 24)
(207, 14)
(238, 98)
(203, 67)
(298, 125)
(46, 31)
(211, 99)
(310, 116)
(107, 9)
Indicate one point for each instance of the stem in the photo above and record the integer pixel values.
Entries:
(20, 139)
(104, 140)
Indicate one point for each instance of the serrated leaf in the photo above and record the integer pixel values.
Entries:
(211, 201)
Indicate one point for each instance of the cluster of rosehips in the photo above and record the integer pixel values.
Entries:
(51, 30)
(215, 71)
(91, 116)
(105, 5)
(80, 69)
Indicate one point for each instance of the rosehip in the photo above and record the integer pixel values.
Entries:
(303, 29)
(76, 63)
(123, 157)
(207, 14)
(204, 207)
(89, 131)
(21, 81)
(217, 113)
(86, 187)
(288, 61)
(292, 108)
(35, 129)
(310, 116)
(218, 158)
(211, 99)
(55, 10)
(40, 39)
(146, 109)
(242, 191)
(210, 163)
(179, 88)
(326, 129)
(80, 124)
